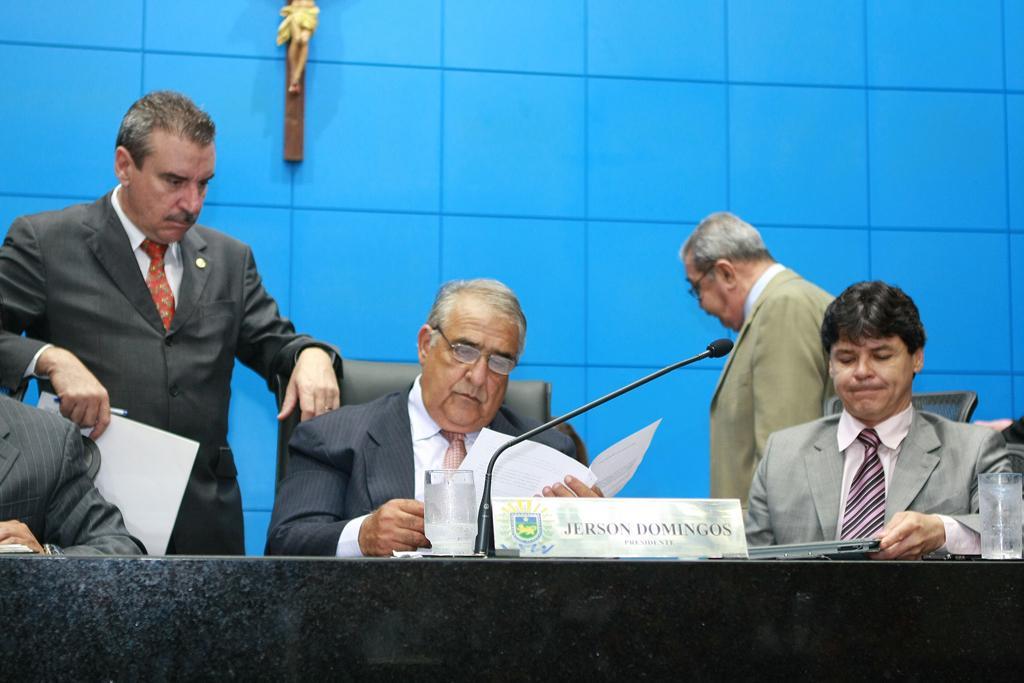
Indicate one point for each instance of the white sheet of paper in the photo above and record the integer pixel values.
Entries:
(143, 471)
(523, 470)
(616, 464)
(15, 549)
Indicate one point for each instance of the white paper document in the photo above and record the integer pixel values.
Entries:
(616, 464)
(15, 549)
(526, 468)
(143, 471)
(523, 470)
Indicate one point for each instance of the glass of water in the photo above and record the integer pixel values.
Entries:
(449, 511)
(1002, 515)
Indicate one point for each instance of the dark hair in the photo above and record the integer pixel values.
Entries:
(163, 110)
(872, 310)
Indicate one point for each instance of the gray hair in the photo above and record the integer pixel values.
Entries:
(163, 110)
(724, 235)
(496, 295)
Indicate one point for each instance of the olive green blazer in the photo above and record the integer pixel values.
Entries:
(775, 377)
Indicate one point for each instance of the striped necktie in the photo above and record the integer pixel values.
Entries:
(865, 504)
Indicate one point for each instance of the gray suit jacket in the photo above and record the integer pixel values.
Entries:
(794, 497)
(43, 483)
(349, 462)
(775, 377)
(70, 278)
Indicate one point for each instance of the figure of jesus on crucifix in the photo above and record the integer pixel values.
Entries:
(298, 26)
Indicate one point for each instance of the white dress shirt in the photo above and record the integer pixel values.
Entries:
(428, 449)
(173, 267)
(762, 282)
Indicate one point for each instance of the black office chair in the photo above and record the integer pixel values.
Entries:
(1016, 456)
(953, 405)
(18, 393)
(92, 457)
(365, 381)
(287, 426)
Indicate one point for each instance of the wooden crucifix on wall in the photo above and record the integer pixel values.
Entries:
(296, 29)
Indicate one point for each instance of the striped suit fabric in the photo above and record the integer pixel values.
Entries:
(44, 484)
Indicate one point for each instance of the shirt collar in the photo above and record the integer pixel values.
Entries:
(136, 236)
(891, 431)
(422, 425)
(759, 286)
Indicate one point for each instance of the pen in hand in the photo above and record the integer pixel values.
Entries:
(113, 411)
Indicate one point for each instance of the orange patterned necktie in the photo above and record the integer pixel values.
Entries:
(156, 280)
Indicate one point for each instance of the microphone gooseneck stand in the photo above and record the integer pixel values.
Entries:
(484, 529)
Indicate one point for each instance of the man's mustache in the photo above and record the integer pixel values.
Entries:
(186, 217)
(476, 393)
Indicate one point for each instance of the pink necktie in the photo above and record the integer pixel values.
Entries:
(865, 504)
(156, 280)
(456, 452)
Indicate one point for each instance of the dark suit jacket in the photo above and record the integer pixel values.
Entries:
(70, 278)
(43, 483)
(795, 495)
(349, 462)
(1015, 432)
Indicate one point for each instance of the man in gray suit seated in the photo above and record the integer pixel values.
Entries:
(880, 468)
(46, 497)
(355, 477)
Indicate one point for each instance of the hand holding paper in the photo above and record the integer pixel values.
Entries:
(144, 471)
(523, 470)
(528, 468)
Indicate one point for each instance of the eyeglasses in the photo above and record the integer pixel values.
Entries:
(695, 286)
(464, 353)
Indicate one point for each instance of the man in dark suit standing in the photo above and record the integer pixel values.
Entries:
(355, 477)
(126, 301)
(46, 497)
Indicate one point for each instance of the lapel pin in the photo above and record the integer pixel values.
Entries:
(200, 262)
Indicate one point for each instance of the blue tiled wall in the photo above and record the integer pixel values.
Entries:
(567, 147)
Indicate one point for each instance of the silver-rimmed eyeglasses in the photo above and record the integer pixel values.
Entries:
(465, 353)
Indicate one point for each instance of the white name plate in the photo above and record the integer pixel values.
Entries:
(689, 528)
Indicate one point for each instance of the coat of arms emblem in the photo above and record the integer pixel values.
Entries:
(527, 527)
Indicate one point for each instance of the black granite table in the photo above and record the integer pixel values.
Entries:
(292, 619)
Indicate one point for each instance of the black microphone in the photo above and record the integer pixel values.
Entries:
(484, 531)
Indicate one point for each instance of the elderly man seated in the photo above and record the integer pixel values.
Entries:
(880, 468)
(355, 477)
